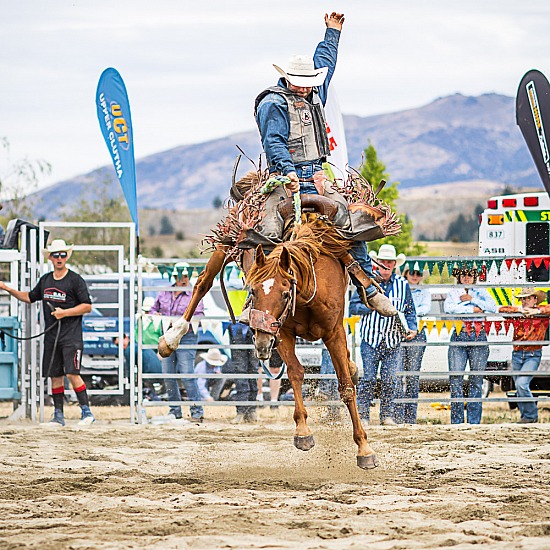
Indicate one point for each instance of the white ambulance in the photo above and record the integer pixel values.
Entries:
(516, 230)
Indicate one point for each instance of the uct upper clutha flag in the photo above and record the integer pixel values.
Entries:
(113, 112)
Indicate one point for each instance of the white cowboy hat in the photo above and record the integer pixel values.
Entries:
(387, 252)
(148, 303)
(214, 357)
(58, 245)
(301, 72)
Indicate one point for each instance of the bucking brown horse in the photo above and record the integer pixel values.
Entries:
(298, 290)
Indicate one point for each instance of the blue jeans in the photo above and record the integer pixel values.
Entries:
(458, 357)
(182, 362)
(390, 361)
(526, 361)
(408, 386)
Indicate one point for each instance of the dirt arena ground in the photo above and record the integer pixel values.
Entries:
(116, 485)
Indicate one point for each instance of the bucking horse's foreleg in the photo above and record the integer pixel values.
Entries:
(303, 438)
(171, 339)
(337, 347)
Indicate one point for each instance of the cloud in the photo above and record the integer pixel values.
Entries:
(193, 70)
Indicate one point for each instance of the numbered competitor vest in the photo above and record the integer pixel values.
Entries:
(307, 140)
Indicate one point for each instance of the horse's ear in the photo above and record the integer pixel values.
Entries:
(284, 260)
(260, 256)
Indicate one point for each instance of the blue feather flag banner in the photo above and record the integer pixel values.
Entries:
(115, 121)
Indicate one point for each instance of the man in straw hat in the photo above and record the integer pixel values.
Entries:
(527, 357)
(381, 337)
(291, 121)
(66, 296)
(212, 363)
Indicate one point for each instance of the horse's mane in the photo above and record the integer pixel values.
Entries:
(313, 238)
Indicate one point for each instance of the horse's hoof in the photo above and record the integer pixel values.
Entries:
(163, 349)
(367, 462)
(304, 443)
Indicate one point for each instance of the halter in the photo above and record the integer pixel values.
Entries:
(265, 322)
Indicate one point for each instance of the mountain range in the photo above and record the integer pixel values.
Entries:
(452, 139)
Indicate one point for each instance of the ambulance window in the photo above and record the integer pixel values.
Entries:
(537, 238)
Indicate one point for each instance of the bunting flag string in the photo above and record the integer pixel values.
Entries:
(440, 267)
(483, 265)
(195, 270)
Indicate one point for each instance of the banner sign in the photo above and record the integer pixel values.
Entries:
(115, 121)
(336, 136)
(533, 118)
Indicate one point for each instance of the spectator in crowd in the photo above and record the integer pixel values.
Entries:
(527, 357)
(381, 336)
(408, 386)
(465, 301)
(243, 361)
(212, 363)
(66, 295)
(173, 304)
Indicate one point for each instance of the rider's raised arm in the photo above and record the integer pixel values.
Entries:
(326, 53)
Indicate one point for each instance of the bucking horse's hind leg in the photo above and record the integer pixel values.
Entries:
(303, 438)
(336, 345)
(171, 339)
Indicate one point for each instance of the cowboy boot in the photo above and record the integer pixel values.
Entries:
(377, 301)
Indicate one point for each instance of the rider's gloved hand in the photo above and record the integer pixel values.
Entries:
(294, 185)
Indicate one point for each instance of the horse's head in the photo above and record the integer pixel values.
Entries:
(273, 294)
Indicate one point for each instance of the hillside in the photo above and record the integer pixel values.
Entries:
(453, 139)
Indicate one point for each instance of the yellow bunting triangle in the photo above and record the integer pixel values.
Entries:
(458, 327)
(351, 322)
(439, 325)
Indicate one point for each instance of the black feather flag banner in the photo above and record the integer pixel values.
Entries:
(533, 118)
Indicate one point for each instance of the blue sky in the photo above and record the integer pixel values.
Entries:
(192, 69)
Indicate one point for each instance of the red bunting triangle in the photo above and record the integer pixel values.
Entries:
(478, 325)
(537, 262)
(507, 325)
(528, 262)
(487, 325)
(468, 327)
(498, 326)
(518, 261)
(508, 262)
(546, 262)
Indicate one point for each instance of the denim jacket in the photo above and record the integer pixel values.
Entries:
(273, 119)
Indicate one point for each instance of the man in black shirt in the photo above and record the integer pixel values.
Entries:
(65, 299)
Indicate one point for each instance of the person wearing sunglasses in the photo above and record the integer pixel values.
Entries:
(65, 299)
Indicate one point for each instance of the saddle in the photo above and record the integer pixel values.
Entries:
(363, 219)
(324, 206)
